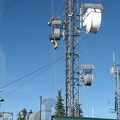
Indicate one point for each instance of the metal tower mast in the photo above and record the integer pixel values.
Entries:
(72, 58)
(116, 71)
(88, 16)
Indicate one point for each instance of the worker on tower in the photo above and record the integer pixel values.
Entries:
(52, 39)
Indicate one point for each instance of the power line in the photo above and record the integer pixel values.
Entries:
(31, 73)
(86, 50)
(59, 8)
(99, 1)
(96, 64)
(52, 5)
(7, 9)
(28, 80)
(90, 59)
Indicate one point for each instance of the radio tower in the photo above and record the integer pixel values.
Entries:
(116, 71)
(70, 31)
(72, 57)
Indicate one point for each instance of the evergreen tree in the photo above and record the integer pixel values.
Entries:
(29, 114)
(19, 116)
(79, 110)
(59, 107)
(23, 114)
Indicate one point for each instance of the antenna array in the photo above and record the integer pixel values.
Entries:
(89, 17)
(116, 71)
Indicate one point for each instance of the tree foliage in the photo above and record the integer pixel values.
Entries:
(59, 107)
(60, 110)
(23, 114)
(79, 110)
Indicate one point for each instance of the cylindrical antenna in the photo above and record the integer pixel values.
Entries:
(92, 112)
(113, 58)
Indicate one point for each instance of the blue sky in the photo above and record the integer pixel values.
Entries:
(25, 47)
